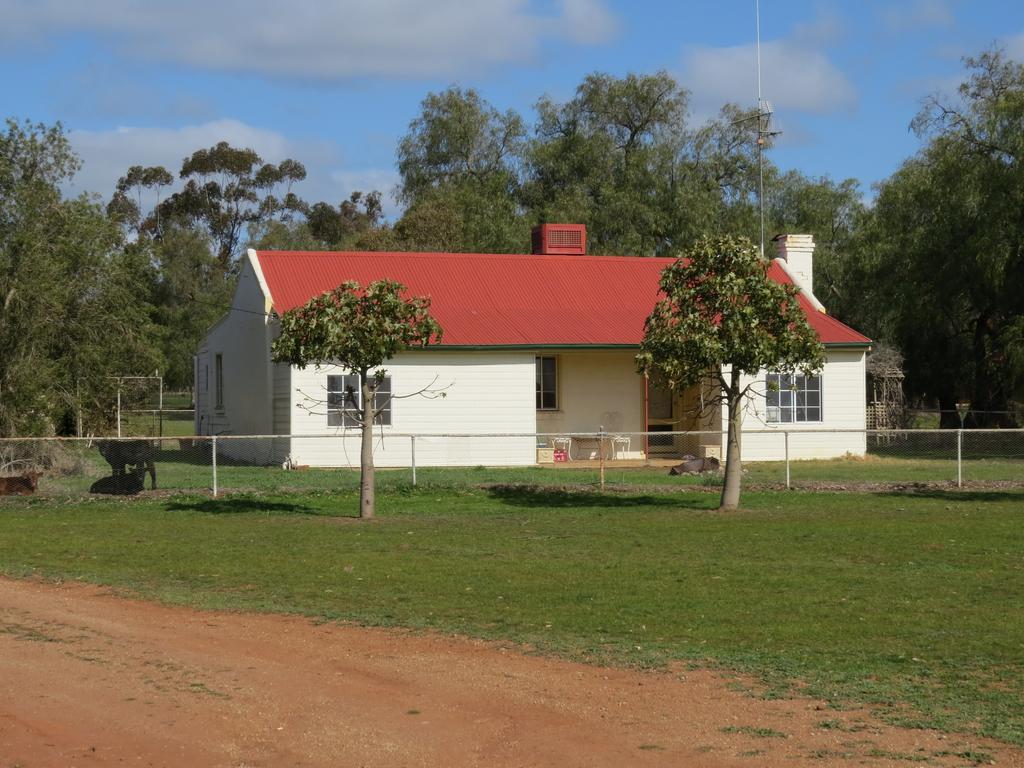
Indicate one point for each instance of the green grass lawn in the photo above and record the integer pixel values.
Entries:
(908, 602)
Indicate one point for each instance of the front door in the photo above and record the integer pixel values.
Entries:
(660, 415)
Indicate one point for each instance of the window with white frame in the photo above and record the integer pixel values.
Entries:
(547, 384)
(793, 398)
(345, 400)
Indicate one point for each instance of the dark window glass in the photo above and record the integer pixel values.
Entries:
(219, 380)
(345, 398)
(547, 389)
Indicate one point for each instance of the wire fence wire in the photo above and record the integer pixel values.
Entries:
(854, 459)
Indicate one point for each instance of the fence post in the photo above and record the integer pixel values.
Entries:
(119, 409)
(788, 484)
(959, 458)
(412, 444)
(214, 450)
(600, 453)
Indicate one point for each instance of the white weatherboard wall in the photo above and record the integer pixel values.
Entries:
(485, 392)
(242, 339)
(595, 388)
(843, 408)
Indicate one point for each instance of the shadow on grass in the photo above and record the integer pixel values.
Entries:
(234, 506)
(956, 495)
(544, 496)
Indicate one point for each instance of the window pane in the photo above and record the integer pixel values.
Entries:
(814, 414)
(549, 372)
(334, 418)
(773, 414)
(546, 383)
(787, 415)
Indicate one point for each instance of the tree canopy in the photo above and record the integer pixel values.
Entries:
(74, 308)
(359, 330)
(937, 263)
(721, 318)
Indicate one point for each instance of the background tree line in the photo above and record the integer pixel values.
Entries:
(933, 265)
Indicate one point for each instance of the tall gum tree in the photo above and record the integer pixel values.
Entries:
(359, 330)
(722, 317)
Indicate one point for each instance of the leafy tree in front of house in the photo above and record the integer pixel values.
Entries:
(722, 317)
(359, 330)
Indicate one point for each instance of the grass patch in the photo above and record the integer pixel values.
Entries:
(900, 602)
(184, 465)
(749, 730)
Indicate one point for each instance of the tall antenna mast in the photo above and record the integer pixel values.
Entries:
(764, 117)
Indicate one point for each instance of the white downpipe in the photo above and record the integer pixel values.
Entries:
(214, 449)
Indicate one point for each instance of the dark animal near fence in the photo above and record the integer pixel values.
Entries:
(127, 484)
(120, 454)
(19, 485)
(691, 465)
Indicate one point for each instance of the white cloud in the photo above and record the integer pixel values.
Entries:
(794, 77)
(106, 155)
(901, 17)
(331, 39)
(588, 22)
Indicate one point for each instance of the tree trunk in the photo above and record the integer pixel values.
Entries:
(733, 462)
(367, 495)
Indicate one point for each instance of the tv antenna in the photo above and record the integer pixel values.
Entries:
(764, 124)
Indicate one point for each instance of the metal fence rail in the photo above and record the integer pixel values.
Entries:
(789, 458)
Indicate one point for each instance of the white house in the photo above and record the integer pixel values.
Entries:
(535, 343)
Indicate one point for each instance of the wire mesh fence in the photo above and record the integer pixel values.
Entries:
(803, 458)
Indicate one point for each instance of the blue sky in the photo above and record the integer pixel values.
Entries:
(335, 84)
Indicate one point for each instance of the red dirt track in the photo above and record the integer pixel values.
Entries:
(88, 678)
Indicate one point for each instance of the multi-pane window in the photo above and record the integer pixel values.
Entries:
(345, 401)
(793, 398)
(547, 397)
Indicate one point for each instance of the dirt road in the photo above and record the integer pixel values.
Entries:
(91, 679)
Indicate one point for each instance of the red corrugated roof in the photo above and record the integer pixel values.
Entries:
(507, 300)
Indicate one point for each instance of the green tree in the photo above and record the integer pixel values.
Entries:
(226, 191)
(462, 154)
(359, 330)
(609, 157)
(830, 211)
(74, 303)
(722, 317)
(948, 224)
(191, 293)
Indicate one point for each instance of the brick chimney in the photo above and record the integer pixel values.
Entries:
(798, 253)
(559, 240)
